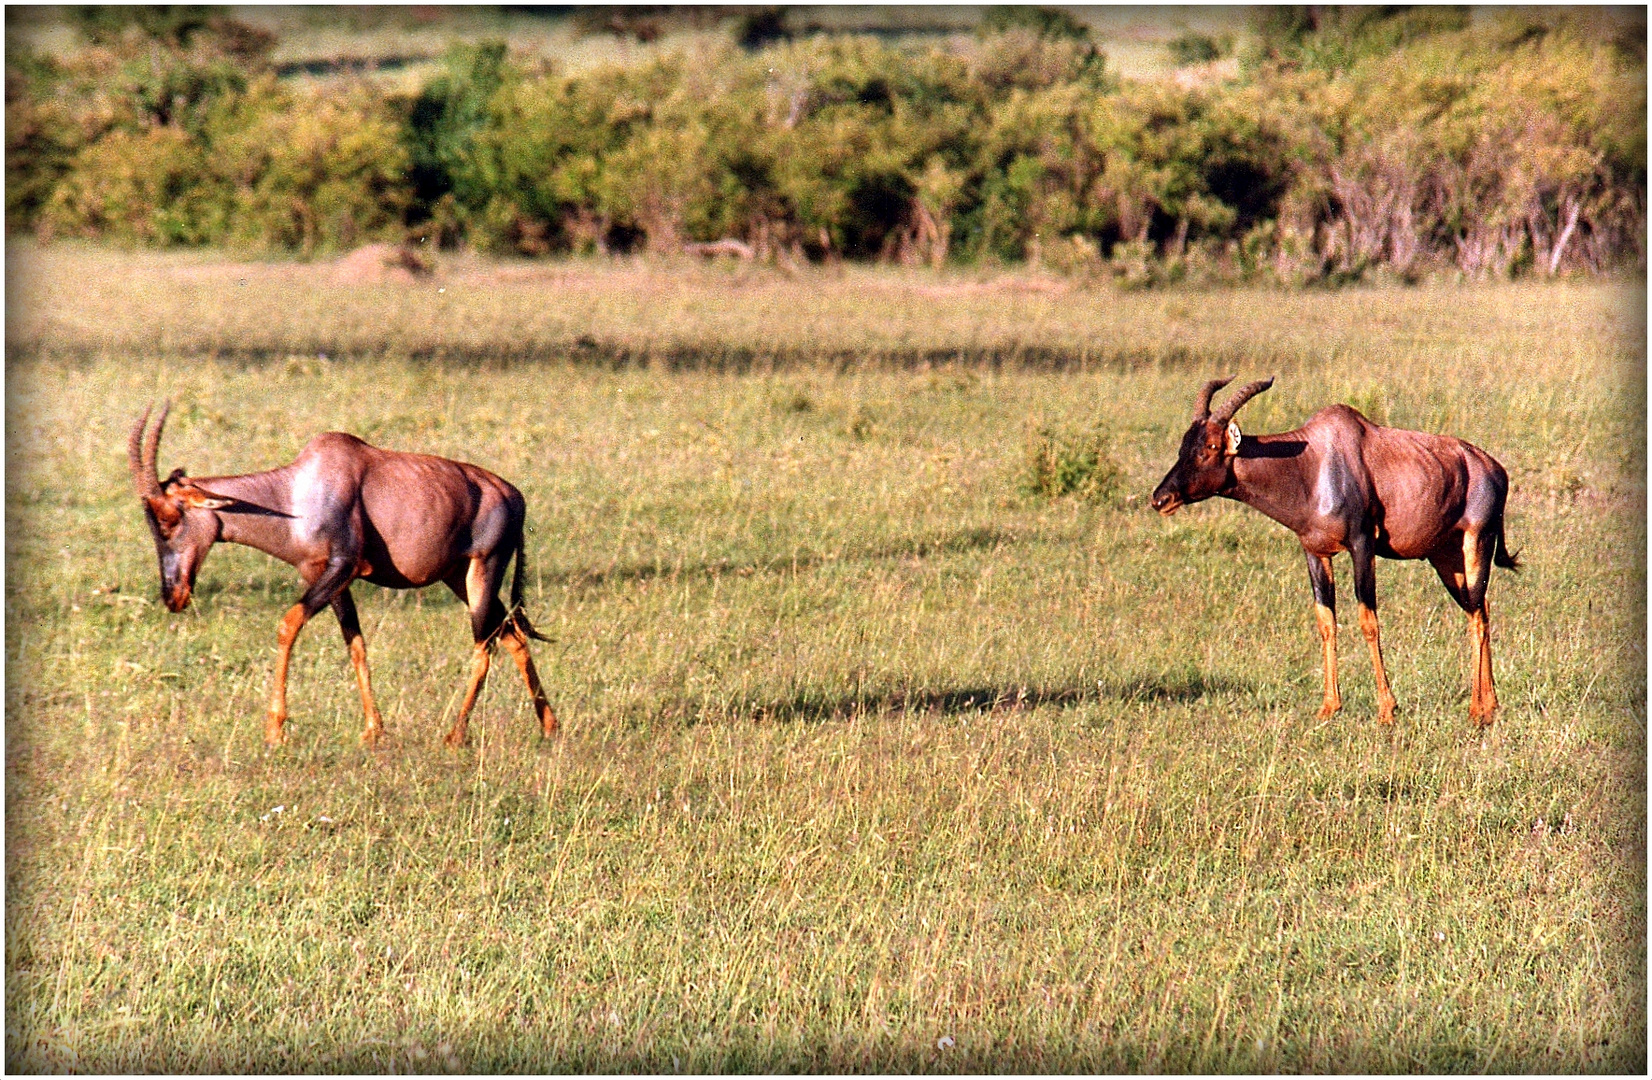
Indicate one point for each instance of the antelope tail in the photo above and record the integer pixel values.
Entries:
(518, 614)
(1501, 556)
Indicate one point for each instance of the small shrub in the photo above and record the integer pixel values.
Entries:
(1075, 256)
(1059, 463)
(793, 400)
(1055, 24)
(1133, 264)
(1194, 48)
(760, 26)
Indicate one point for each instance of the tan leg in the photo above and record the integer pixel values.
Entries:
(1385, 695)
(358, 660)
(1327, 620)
(291, 624)
(473, 590)
(478, 673)
(1483, 700)
(518, 646)
(1482, 706)
(345, 608)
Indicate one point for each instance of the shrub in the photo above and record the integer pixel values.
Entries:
(315, 172)
(152, 187)
(1192, 47)
(1060, 462)
(443, 122)
(43, 135)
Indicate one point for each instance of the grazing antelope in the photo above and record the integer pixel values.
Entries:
(346, 510)
(1342, 483)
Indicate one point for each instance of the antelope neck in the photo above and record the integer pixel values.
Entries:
(1272, 474)
(268, 532)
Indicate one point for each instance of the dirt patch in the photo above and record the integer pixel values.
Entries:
(945, 290)
(377, 264)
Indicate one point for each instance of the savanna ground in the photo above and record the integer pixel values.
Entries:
(869, 761)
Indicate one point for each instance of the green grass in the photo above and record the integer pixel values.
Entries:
(870, 761)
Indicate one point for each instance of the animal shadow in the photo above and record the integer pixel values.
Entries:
(1178, 687)
(910, 548)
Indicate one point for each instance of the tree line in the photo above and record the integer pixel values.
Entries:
(1350, 143)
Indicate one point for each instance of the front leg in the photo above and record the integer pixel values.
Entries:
(275, 725)
(326, 580)
(344, 606)
(1325, 613)
(1365, 591)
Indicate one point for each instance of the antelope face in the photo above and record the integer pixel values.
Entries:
(1203, 467)
(182, 521)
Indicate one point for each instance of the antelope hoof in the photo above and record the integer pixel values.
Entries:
(456, 740)
(1328, 710)
(274, 733)
(370, 737)
(1385, 715)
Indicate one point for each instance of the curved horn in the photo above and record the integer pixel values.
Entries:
(1237, 401)
(1201, 404)
(143, 475)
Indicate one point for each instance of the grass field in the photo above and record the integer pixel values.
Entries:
(405, 44)
(869, 761)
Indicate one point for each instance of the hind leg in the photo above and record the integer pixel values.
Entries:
(1483, 708)
(517, 644)
(1478, 548)
(476, 588)
(1464, 567)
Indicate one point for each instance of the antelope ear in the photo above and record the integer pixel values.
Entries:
(204, 500)
(1234, 435)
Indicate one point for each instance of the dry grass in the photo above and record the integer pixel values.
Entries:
(404, 45)
(870, 763)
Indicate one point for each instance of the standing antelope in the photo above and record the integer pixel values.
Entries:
(345, 510)
(1342, 483)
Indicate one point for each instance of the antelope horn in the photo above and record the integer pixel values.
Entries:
(142, 462)
(1201, 404)
(143, 477)
(1235, 402)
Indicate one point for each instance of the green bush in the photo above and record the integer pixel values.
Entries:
(1059, 462)
(43, 135)
(152, 187)
(448, 181)
(315, 172)
(1192, 47)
